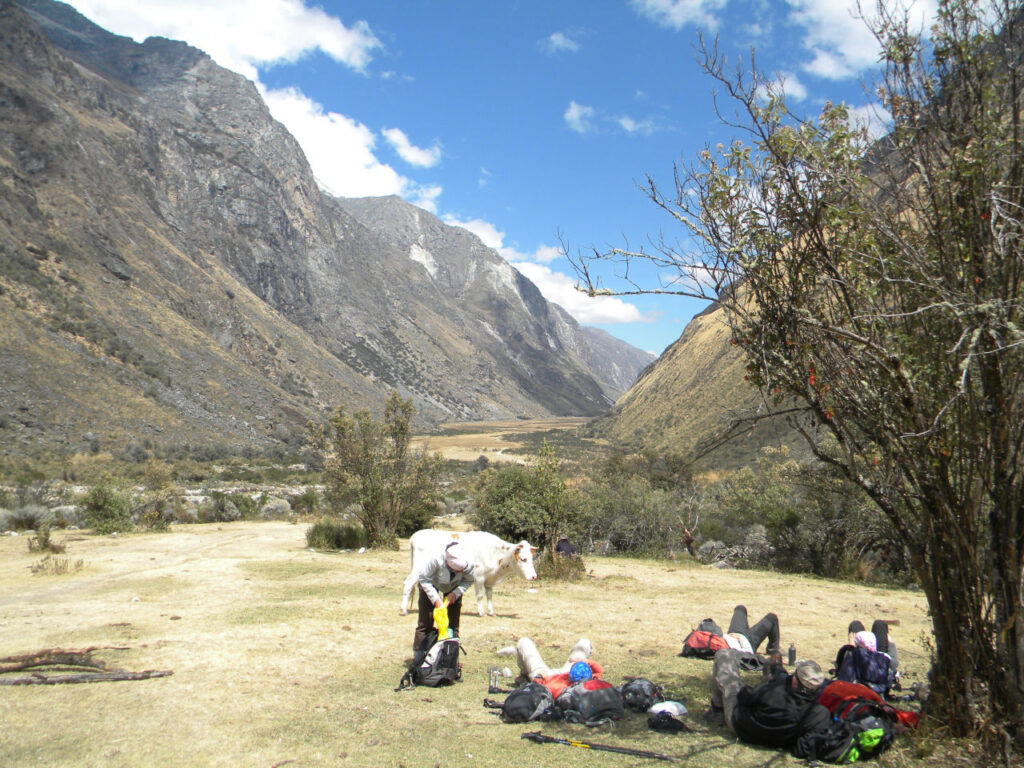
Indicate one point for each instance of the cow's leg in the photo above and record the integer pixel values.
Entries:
(407, 589)
(480, 587)
(490, 605)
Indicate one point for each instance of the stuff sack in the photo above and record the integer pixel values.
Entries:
(531, 702)
(435, 663)
(870, 668)
(640, 694)
(863, 730)
(702, 644)
(592, 702)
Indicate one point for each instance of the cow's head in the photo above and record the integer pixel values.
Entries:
(523, 560)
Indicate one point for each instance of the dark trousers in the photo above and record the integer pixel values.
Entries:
(425, 617)
(766, 627)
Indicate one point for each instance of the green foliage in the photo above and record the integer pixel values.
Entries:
(107, 509)
(306, 503)
(553, 567)
(633, 515)
(43, 542)
(328, 533)
(368, 463)
(532, 503)
(31, 517)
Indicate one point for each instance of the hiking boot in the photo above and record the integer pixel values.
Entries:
(714, 716)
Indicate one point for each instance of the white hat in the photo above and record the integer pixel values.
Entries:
(455, 557)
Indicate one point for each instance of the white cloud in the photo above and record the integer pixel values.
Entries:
(543, 255)
(840, 42)
(629, 125)
(790, 85)
(491, 236)
(413, 155)
(578, 117)
(874, 117)
(339, 149)
(559, 42)
(426, 197)
(240, 35)
(676, 14)
(561, 289)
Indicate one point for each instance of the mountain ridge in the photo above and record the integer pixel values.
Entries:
(165, 239)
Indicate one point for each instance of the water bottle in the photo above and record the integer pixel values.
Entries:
(792, 654)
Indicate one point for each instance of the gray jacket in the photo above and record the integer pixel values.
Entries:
(438, 579)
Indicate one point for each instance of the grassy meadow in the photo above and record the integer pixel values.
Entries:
(286, 656)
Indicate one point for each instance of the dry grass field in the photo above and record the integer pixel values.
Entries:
(282, 656)
(466, 441)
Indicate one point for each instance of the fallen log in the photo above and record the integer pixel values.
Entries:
(66, 662)
(84, 677)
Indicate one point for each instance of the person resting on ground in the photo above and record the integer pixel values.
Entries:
(781, 712)
(577, 668)
(742, 637)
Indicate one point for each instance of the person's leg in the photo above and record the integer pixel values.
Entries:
(766, 627)
(530, 663)
(582, 651)
(424, 618)
(739, 620)
(726, 682)
(454, 615)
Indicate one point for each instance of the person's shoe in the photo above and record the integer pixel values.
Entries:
(508, 651)
(714, 716)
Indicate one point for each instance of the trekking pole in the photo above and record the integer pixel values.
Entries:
(540, 738)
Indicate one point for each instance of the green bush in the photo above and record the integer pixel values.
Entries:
(332, 534)
(42, 542)
(107, 509)
(31, 517)
(306, 503)
(558, 568)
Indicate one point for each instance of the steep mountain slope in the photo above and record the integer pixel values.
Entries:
(170, 272)
(695, 391)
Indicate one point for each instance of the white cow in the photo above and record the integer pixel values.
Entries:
(493, 559)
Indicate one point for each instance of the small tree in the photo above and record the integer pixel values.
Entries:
(532, 503)
(369, 463)
(877, 290)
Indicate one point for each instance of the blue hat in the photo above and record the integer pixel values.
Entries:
(580, 671)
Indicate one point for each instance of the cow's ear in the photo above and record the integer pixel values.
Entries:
(535, 550)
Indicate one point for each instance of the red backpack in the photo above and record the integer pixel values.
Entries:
(700, 644)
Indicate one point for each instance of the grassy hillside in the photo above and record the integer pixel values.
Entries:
(694, 391)
(285, 656)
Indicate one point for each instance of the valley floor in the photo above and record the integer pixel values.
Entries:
(285, 656)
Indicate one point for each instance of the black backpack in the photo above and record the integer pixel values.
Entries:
(590, 703)
(531, 702)
(863, 730)
(870, 668)
(435, 663)
(640, 694)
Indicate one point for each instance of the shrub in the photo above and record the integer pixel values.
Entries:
(31, 517)
(332, 534)
(558, 568)
(42, 542)
(107, 509)
(306, 503)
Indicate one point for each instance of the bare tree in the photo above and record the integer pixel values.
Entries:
(877, 290)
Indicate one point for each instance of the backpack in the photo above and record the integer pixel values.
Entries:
(592, 702)
(870, 668)
(435, 663)
(533, 701)
(640, 694)
(702, 644)
(862, 729)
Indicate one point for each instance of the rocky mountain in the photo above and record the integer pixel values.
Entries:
(171, 273)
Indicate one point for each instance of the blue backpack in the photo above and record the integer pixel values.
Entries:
(870, 668)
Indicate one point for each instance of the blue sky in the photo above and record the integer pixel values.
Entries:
(529, 122)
